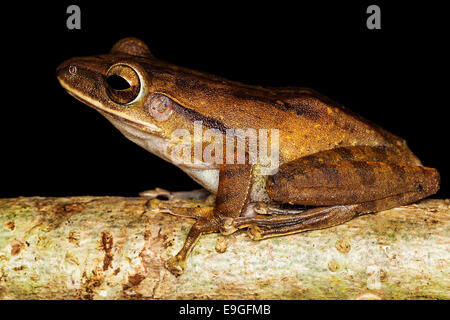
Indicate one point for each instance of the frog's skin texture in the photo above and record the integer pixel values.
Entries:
(330, 159)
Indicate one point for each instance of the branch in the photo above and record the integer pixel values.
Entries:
(115, 248)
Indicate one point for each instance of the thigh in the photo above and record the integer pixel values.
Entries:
(327, 180)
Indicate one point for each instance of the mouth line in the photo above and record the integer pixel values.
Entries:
(138, 125)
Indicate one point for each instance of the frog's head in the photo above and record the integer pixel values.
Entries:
(118, 85)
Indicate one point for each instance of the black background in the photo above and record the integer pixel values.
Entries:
(53, 145)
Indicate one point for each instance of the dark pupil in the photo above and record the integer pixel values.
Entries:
(117, 82)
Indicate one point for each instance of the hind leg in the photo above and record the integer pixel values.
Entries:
(349, 175)
(340, 188)
(262, 227)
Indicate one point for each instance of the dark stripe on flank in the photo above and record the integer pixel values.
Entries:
(197, 116)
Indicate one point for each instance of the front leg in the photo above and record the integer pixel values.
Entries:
(235, 182)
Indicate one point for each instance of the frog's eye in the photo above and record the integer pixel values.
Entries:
(122, 84)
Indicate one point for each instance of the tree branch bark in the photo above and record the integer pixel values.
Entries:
(115, 248)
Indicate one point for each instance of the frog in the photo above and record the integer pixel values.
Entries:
(330, 165)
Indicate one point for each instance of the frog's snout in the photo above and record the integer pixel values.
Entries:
(65, 71)
(77, 75)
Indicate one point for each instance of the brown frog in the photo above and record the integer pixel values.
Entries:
(321, 155)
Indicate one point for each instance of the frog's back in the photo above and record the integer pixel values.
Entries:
(325, 124)
(307, 121)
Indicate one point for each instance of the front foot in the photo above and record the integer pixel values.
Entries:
(177, 209)
(176, 265)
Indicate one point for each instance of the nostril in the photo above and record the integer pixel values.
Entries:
(72, 70)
